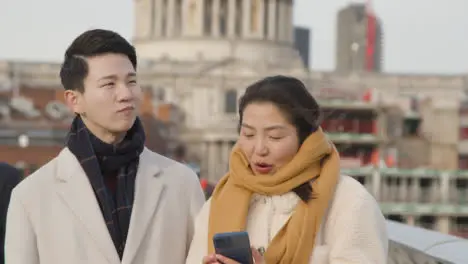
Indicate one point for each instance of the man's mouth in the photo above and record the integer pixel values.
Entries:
(126, 109)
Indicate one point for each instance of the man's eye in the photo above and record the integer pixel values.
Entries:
(108, 84)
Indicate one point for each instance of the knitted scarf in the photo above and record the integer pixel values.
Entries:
(294, 243)
(98, 160)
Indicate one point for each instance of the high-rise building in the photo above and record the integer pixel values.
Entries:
(359, 40)
(302, 43)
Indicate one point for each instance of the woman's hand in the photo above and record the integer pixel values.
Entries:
(219, 259)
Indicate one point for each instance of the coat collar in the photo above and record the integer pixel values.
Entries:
(76, 191)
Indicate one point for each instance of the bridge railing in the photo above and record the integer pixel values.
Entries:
(414, 245)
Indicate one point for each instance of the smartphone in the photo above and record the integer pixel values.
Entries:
(234, 245)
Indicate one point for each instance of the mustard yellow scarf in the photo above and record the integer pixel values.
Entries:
(294, 243)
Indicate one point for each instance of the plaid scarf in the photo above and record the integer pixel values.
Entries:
(99, 160)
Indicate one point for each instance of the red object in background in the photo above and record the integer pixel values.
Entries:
(371, 35)
(204, 184)
(375, 158)
(390, 161)
(367, 97)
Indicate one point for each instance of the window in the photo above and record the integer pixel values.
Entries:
(266, 18)
(178, 18)
(164, 18)
(230, 102)
(239, 19)
(411, 127)
(463, 133)
(223, 18)
(208, 21)
(277, 19)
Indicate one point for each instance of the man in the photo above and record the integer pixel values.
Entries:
(9, 178)
(105, 198)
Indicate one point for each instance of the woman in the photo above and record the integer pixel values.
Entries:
(285, 189)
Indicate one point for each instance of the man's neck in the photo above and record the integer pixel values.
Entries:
(104, 135)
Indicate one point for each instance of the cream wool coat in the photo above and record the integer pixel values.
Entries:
(54, 217)
(353, 232)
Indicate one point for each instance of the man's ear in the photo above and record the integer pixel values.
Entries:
(73, 100)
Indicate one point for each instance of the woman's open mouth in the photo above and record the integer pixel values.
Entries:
(262, 168)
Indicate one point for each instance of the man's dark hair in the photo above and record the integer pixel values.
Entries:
(89, 44)
(291, 96)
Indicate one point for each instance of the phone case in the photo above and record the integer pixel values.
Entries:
(234, 245)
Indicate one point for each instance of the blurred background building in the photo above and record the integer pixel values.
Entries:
(405, 137)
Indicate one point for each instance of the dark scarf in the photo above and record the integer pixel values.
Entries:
(99, 160)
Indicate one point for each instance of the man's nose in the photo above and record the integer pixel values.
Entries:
(124, 93)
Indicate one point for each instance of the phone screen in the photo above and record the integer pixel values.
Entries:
(234, 245)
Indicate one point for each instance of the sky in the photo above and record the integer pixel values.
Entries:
(420, 36)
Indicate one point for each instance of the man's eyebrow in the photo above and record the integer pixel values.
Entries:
(113, 76)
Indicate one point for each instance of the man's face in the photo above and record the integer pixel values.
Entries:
(111, 98)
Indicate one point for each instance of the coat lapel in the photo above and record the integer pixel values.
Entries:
(76, 191)
(149, 188)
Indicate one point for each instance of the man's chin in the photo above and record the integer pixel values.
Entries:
(123, 126)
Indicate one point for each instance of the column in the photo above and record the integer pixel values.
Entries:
(403, 190)
(259, 17)
(204, 159)
(215, 8)
(231, 24)
(193, 13)
(158, 21)
(445, 188)
(384, 191)
(410, 220)
(376, 183)
(415, 191)
(246, 6)
(212, 162)
(144, 19)
(225, 153)
(435, 192)
(443, 224)
(271, 19)
(220, 165)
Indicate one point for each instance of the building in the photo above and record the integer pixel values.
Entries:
(34, 122)
(359, 39)
(199, 56)
(302, 40)
(172, 118)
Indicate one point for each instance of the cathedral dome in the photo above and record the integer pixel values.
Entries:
(213, 30)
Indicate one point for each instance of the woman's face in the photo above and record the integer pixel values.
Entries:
(267, 137)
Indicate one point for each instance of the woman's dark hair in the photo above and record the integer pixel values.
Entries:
(291, 96)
